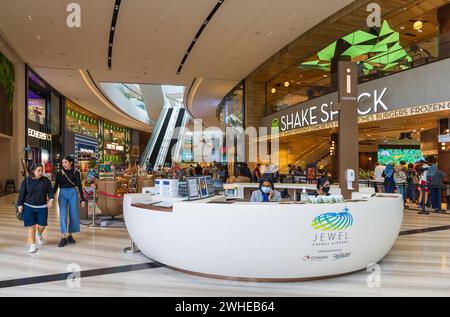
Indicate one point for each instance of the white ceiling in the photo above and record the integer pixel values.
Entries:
(150, 40)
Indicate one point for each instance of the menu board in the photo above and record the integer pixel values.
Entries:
(193, 188)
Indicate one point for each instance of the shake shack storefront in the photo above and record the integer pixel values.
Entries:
(406, 110)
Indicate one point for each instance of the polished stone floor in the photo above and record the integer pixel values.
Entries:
(418, 265)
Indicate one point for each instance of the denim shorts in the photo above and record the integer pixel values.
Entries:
(34, 216)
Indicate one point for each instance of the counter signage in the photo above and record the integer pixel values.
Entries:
(331, 236)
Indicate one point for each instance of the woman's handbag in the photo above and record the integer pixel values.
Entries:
(19, 215)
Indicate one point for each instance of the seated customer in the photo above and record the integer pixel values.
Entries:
(323, 187)
(266, 193)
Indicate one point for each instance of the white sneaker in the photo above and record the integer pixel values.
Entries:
(39, 239)
(32, 248)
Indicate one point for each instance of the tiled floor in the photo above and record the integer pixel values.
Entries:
(418, 265)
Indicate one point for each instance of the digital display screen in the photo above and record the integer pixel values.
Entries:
(386, 156)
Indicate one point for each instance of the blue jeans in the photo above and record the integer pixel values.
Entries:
(411, 192)
(401, 189)
(436, 198)
(389, 186)
(68, 196)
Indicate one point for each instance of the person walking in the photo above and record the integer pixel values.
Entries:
(68, 180)
(35, 198)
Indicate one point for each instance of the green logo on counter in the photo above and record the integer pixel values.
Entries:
(333, 221)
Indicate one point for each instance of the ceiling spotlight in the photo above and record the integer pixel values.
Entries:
(418, 25)
(273, 90)
(286, 84)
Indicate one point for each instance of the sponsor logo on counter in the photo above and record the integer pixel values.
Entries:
(315, 258)
(331, 236)
(333, 221)
(341, 255)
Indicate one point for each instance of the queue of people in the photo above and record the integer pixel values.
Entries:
(419, 183)
(36, 196)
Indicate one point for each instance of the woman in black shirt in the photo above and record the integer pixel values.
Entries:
(35, 197)
(69, 181)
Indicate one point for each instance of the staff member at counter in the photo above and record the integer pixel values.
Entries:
(266, 193)
(323, 187)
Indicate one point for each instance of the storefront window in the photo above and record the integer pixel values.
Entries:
(43, 125)
(114, 140)
(407, 38)
(230, 112)
(36, 107)
(80, 121)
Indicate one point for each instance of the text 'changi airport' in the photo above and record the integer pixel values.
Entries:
(224, 149)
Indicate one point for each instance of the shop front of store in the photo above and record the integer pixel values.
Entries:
(44, 122)
(398, 115)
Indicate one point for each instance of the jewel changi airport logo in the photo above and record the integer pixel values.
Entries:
(333, 221)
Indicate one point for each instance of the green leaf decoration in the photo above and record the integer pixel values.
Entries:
(7, 79)
(359, 37)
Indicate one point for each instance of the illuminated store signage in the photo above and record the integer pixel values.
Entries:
(39, 135)
(395, 96)
(369, 102)
(114, 146)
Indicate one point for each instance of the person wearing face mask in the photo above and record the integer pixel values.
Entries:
(323, 187)
(266, 193)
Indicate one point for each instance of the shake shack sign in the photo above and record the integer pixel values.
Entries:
(406, 93)
(319, 111)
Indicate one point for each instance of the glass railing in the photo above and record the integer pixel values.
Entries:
(132, 93)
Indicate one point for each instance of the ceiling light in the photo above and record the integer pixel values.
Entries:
(29, 17)
(273, 90)
(286, 84)
(418, 25)
(38, 37)
(402, 28)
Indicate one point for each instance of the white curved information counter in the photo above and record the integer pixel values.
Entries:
(265, 242)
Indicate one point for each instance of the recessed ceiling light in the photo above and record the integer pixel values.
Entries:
(418, 25)
(273, 90)
(286, 84)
